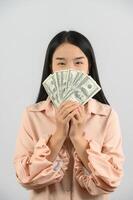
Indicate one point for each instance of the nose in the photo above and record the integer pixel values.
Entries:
(71, 65)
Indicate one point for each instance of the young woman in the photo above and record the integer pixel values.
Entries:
(73, 151)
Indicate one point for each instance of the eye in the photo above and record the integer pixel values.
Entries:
(79, 63)
(61, 63)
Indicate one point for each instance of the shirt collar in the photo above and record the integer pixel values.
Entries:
(93, 106)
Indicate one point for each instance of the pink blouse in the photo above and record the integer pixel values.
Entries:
(46, 180)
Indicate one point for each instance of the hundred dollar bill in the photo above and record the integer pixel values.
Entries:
(51, 87)
(85, 90)
(70, 84)
(75, 76)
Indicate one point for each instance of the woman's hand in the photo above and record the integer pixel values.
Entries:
(77, 122)
(63, 115)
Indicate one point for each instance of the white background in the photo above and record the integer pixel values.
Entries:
(26, 28)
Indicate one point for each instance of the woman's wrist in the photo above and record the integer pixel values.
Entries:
(60, 135)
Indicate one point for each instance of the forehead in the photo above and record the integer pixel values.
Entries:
(67, 50)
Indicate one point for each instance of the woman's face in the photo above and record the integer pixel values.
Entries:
(68, 56)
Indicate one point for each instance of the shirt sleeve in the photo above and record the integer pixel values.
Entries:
(105, 164)
(33, 169)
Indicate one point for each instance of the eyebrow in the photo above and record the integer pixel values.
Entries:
(59, 58)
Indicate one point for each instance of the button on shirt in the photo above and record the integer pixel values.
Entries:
(66, 178)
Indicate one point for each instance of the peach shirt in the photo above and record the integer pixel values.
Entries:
(67, 178)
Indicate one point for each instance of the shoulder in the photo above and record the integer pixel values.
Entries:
(29, 110)
(97, 107)
(100, 108)
(34, 107)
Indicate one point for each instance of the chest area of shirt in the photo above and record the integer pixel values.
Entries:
(94, 128)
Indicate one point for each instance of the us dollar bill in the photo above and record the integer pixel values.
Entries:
(70, 84)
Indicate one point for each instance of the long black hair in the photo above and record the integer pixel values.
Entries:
(79, 40)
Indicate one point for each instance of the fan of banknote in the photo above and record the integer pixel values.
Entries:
(70, 84)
